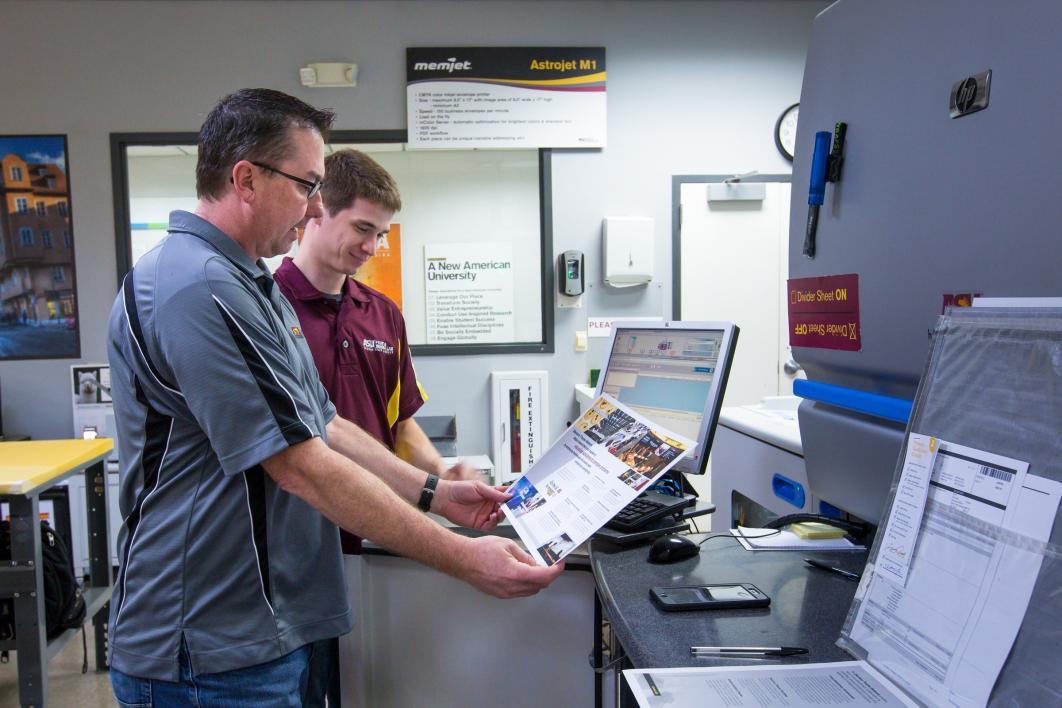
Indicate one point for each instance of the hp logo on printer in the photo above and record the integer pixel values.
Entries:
(969, 95)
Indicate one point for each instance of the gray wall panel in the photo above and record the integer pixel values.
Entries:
(928, 204)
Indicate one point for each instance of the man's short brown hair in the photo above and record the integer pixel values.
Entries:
(251, 124)
(351, 175)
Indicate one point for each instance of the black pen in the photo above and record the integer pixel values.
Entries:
(747, 651)
(824, 566)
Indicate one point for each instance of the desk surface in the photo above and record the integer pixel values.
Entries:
(29, 465)
(808, 606)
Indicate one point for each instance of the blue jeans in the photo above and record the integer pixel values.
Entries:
(323, 677)
(280, 682)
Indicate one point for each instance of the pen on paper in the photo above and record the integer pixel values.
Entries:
(747, 651)
(825, 566)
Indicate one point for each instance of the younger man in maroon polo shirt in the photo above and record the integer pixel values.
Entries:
(357, 335)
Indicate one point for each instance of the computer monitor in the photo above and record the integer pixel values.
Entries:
(674, 374)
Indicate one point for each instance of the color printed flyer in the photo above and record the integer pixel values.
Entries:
(607, 458)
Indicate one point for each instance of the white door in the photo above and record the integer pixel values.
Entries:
(734, 267)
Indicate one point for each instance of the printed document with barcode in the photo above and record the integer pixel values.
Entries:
(944, 635)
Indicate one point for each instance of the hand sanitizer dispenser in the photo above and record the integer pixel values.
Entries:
(628, 251)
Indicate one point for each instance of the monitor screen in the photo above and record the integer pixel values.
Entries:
(675, 375)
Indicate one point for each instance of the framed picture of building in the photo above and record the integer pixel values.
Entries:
(38, 289)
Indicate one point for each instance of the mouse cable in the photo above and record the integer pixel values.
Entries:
(773, 532)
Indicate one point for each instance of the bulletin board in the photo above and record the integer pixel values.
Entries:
(469, 260)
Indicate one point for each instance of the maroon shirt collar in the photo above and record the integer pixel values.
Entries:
(301, 288)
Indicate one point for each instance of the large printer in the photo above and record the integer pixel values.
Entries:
(929, 210)
(948, 192)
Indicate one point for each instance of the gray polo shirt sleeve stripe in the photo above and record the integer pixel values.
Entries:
(279, 399)
(136, 332)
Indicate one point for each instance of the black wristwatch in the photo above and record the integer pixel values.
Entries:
(428, 493)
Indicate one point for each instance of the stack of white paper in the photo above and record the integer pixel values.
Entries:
(844, 683)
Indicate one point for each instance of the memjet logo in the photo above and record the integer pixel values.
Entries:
(450, 65)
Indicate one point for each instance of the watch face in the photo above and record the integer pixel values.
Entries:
(785, 131)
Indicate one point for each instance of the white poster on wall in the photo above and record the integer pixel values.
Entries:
(92, 404)
(505, 97)
(468, 291)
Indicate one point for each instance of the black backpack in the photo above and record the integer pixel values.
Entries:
(64, 607)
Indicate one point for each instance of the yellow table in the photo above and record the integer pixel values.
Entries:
(27, 469)
(36, 464)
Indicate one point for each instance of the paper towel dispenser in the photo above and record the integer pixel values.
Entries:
(627, 243)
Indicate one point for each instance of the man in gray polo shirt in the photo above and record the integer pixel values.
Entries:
(235, 467)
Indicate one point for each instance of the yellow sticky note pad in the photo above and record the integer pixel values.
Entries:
(816, 530)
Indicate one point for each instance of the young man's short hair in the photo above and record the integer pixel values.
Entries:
(351, 175)
(251, 124)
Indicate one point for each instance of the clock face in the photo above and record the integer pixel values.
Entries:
(785, 131)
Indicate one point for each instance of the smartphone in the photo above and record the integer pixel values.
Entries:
(709, 597)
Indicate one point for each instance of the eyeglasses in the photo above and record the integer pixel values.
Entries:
(312, 188)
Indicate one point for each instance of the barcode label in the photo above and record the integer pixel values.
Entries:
(997, 474)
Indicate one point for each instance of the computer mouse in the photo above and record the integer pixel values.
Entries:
(670, 549)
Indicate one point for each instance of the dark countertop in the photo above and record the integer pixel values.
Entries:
(808, 606)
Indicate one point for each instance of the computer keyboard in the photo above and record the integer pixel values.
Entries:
(646, 508)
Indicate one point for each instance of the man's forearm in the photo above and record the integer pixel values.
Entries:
(349, 496)
(351, 441)
(413, 446)
(362, 504)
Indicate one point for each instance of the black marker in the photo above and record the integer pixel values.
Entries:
(824, 566)
(747, 651)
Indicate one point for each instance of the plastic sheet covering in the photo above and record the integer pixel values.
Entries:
(994, 382)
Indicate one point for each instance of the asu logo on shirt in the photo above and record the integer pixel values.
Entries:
(297, 332)
(375, 345)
